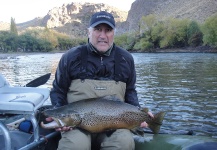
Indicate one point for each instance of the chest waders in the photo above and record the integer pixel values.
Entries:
(88, 88)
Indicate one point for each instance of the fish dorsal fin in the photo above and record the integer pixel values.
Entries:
(107, 97)
(146, 110)
(111, 97)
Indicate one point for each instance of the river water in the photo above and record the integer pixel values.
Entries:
(184, 85)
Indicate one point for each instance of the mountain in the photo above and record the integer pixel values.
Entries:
(4, 26)
(73, 18)
(198, 10)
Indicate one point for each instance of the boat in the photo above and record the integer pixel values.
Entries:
(174, 142)
(20, 108)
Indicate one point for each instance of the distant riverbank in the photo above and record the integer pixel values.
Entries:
(201, 49)
(15, 54)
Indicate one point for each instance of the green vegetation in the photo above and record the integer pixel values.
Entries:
(194, 34)
(13, 27)
(171, 33)
(126, 41)
(209, 30)
(36, 40)
(152, 34)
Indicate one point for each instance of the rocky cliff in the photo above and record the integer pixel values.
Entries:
(73, 18)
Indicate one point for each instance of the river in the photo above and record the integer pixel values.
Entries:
(184, 85)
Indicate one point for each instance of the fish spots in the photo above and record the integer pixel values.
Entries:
(100, 114)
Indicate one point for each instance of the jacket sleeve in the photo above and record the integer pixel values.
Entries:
(131, 93)
(61, 83)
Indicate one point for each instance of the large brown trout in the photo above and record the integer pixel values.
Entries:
(101, 114)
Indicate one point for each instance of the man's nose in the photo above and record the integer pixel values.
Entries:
(103, 33)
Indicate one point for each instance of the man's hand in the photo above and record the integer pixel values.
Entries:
(61, 129)
(144, 124)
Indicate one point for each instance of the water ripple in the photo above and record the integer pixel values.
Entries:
(182, 85)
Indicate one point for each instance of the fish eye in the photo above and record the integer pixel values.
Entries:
(63, 115)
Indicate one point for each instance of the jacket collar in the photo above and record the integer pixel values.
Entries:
(93, 49)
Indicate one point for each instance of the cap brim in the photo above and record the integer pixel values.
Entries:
(100, 22)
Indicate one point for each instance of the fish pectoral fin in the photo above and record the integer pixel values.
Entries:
(138, 131)
(110, 132)
(146, 110)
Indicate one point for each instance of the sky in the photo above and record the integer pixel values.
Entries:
(25, 10)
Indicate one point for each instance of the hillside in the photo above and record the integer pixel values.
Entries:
(197, 10)
(73, 18)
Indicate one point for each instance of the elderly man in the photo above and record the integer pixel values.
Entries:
(96, 69)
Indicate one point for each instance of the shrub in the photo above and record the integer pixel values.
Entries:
(209, 29)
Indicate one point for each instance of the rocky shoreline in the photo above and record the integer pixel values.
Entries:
(15, 54)
(201, 49)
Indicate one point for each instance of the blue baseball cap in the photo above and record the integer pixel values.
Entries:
(102, 17)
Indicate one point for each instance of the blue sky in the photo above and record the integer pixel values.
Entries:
(25, 10)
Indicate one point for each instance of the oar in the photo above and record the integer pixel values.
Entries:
(39, 81)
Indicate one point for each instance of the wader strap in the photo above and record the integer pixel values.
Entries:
(83, 69)
(117, 72)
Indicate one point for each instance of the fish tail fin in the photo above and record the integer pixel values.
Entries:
(156, 122)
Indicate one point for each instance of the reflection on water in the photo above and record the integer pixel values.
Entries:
(22, 69)
(183, 85)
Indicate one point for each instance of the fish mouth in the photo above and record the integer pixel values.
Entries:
(56, 123)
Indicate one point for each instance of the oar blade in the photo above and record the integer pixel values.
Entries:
(39, 81)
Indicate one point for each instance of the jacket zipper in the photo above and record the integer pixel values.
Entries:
(101, 60)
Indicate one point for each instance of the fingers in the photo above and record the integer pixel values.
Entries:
(64, 129)
(144, 125)
(150, 114)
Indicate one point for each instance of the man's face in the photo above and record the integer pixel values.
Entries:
(101, 37)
